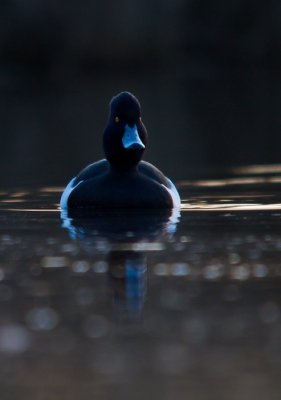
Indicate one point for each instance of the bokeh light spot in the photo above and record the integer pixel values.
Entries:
(80, 267)
(14, 338)
(42, 318)
(100, 267)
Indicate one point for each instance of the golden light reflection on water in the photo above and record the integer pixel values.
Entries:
(52, 189)
(265, 197)
(257, 169)
(33, 209)
(230, 207)
(230, 181)
(20, 194)
(13, 201)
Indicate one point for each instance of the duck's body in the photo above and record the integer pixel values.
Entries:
(122, 180)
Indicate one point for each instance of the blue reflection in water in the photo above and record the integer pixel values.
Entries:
(135, 278)
(128, 277)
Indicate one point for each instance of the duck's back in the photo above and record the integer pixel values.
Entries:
(92, 171)
(119, 190)
(100, 167)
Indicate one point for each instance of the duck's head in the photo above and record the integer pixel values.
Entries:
(125, 136)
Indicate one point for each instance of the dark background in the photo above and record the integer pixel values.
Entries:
(207, 74)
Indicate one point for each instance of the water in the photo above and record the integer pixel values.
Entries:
(126, 306)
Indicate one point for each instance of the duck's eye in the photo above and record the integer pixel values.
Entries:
(116, 119)
(140, 118)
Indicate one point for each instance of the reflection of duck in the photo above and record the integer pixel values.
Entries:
(125, 238)
(149, 225)
(122, 180)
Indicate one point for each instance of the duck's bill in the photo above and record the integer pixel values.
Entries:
(131, 139)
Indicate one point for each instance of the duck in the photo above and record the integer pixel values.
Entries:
(122, 180)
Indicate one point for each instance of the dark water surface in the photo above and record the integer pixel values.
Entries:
(143, 305)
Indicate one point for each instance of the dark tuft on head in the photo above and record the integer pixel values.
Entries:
(124, 98)
(125, 104)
